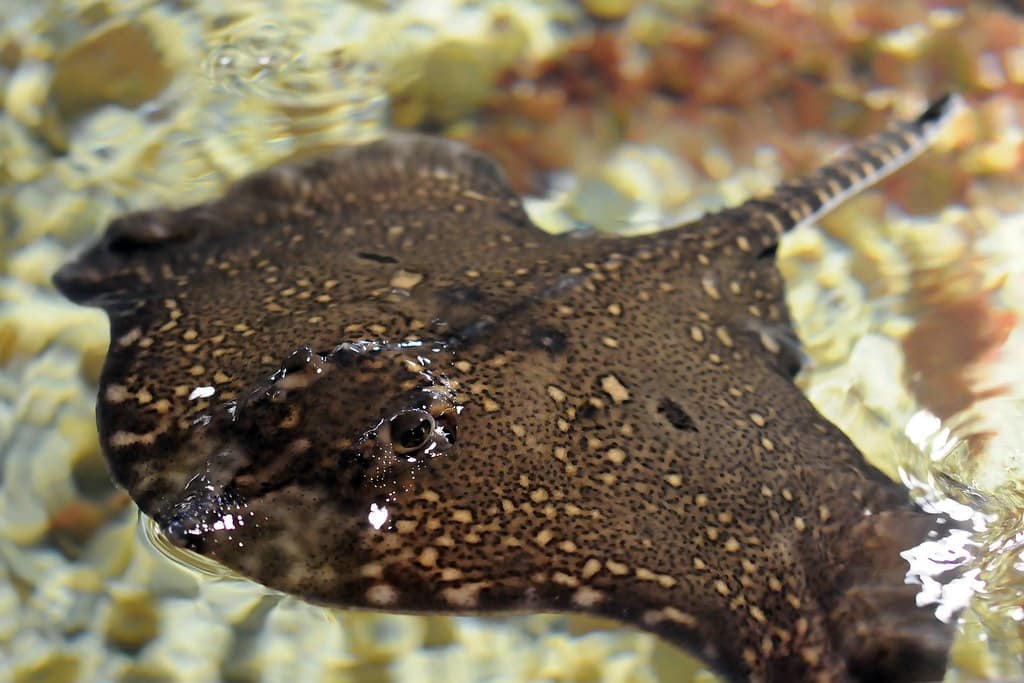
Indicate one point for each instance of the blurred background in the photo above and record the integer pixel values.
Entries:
(619, 115)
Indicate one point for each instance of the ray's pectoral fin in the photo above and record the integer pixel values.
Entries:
(881, 631)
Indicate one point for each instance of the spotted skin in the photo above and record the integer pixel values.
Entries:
(370, 381)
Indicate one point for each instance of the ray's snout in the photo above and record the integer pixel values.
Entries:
(79, 280)
(113, 268)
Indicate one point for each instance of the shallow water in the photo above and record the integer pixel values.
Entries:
(908, 299)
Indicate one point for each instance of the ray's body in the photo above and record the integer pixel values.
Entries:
(370, 381)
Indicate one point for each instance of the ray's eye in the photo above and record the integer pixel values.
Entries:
(411, 430)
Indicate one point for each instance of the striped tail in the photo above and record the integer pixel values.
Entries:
(762, 221)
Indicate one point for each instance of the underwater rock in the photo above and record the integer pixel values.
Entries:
(117, 64)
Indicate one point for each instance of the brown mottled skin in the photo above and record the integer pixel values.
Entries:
(488, 417)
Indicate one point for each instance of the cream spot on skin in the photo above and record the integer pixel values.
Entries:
(451, 574)
(382, 595)
(723, 336)
(462, 516)
(406, 526)
(563, 579)
(129, 338)
(467, 595)
(680, 617)
(405, 279)
(709, 287)
(645, 574)
(617, 456)
(769, 344)
(556, 394)
(586, 597)
(653, 617)
(617, 568)
(372, 570)
(121, 439)
(116, 393)
(611, 385)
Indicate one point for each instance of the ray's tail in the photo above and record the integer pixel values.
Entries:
(806, 199)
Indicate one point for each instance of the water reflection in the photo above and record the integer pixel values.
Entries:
(978, 565)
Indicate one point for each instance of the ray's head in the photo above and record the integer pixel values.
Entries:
(295, 481)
